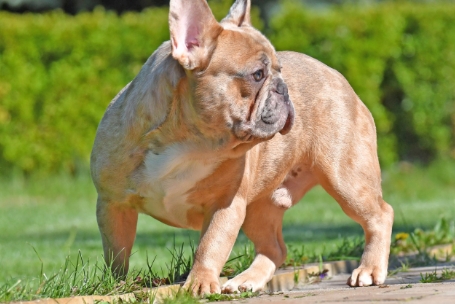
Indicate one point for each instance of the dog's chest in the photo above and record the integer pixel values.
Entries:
(166, 180)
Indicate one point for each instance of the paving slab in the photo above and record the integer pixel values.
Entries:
(403, 287)
(398, 293)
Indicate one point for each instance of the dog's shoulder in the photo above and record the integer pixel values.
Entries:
(141, 106)
(144, 102)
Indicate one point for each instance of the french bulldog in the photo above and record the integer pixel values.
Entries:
(219, 132)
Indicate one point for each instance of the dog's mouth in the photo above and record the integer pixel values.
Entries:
(289, 120)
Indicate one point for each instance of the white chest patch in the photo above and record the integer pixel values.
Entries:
(168, 177)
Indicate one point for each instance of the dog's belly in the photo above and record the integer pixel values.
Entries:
(166, 180)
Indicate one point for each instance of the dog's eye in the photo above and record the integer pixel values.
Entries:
(258, 75)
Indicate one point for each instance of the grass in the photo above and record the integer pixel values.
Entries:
(85, 277)
(242, 259)
(56, 218)
(412, 249)
(49, 222)
(348, 249)
(181, 296)
(231, 297)
(419, 239)
(433, 277)
(184, 297)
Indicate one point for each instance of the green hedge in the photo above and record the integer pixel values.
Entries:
(400, 59)
(59, 72)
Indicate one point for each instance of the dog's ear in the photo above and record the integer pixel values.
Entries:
(194, 30)
(239, 14)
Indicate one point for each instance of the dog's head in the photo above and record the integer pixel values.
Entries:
(234, 73)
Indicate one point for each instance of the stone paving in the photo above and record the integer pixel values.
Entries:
(403, 287)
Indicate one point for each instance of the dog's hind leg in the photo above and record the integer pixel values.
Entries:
(263, 225)
(117, 224)
(356, 185)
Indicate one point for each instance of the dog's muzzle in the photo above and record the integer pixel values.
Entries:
(278, 112)
(276, 115)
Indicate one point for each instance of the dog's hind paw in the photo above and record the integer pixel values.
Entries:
(366, 276)
(241, 285)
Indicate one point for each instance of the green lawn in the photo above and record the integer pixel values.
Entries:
(55, 217)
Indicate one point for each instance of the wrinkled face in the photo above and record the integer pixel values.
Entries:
(241, 89)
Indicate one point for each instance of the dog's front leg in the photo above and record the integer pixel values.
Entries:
(220, 230)
(117, 223)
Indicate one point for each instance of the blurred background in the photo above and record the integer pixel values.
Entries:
(62, 61)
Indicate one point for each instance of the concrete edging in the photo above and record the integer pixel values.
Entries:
(83, 299)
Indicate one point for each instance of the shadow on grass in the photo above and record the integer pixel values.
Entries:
(295, 233)
(322, 231)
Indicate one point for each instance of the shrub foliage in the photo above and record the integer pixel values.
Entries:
(59, 72)
(400, 59)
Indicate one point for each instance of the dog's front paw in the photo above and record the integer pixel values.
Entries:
(367, 276)
(202, 283)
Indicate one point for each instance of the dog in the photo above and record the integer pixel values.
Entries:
(219, 132)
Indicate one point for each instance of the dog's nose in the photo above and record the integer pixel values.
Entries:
(280, 87)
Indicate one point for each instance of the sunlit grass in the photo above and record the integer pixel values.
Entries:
(43, 221)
